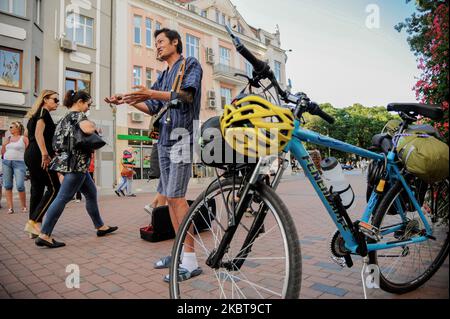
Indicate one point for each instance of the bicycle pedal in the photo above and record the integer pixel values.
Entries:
(339, 260)
(370, 231)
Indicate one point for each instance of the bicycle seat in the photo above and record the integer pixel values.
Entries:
(433, 112)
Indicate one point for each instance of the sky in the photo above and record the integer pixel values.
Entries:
(335, 57)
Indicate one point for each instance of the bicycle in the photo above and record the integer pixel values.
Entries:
(237, 252)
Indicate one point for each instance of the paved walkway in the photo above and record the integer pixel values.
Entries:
(120, 266)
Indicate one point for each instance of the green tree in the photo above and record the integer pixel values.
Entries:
(428, 31)
(355, 125)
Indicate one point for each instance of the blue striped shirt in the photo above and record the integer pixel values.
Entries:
(187, 113)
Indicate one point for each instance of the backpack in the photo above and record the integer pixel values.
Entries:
(424, 156)
(161, 228)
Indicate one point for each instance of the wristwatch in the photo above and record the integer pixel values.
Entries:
(173, 95)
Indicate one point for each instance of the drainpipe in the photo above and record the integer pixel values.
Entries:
(111, 93)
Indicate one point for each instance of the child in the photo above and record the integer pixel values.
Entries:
(127, 173)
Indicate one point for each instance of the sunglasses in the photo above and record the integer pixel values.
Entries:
(55, 99)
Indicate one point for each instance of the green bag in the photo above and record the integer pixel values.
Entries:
(424, 156)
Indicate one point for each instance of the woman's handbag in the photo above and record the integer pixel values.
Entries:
(86, 143)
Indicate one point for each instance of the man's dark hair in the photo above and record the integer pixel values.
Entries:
(171, 35)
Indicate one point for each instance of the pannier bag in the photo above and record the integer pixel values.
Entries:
(424, 156)
(161, 228)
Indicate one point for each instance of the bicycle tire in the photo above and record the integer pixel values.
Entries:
(268, 196)
(410, 285)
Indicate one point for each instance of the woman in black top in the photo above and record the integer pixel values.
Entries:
(40, 130)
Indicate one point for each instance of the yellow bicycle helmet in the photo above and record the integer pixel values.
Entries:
(254, 127)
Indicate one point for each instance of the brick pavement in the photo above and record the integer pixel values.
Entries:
(120, 266)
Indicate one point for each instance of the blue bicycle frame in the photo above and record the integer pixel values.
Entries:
(297, 148)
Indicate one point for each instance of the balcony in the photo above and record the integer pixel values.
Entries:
(225, 74)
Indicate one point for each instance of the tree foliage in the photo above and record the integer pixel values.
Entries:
(355, 125)
(428, 37)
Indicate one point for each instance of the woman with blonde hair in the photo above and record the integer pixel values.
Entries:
(44, 183)
(13, 151)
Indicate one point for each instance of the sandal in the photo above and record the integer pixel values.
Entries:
(10, 211)
(163, 263)
(184, 274)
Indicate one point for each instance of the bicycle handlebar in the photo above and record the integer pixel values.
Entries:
(262, 69)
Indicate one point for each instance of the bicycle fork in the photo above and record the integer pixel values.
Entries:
(215, 258)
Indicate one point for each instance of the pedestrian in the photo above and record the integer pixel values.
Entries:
(126, 173)
(1, 183)
(13, 151)
(130, 165)
(74, 165)
(180, 83)
(44, 183)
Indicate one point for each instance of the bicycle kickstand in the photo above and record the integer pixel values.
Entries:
(363, 271)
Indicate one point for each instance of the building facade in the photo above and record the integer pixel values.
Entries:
(21, 54)
(201, 26)
(77, 56)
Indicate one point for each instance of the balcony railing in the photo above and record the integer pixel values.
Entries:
(225, 73)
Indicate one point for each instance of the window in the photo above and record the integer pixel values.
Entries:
(217, 16)
(248, 69)
(192, 46)
(222, 20)
(37, 75)
(148, 32)
(137, 29)
(204, 13)
(278, 71)
(80, 29)
(240, 28)
(78, 81)
(148, 74)
(142, 152)
(225, 95)
(137, 75)
(37, 14)
(17, 7)
(158, 26)
(225, 56)
(11, 64)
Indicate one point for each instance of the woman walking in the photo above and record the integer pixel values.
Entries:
(40, 131)
(13, 151)
(73, 164)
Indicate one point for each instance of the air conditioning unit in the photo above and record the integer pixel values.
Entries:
(212, 95)
(67, 45)
(137, 117)
(212, 104)
(210, 59)
(209, 51)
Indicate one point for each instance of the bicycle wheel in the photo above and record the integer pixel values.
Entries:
(405, 268)
(272, 269)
